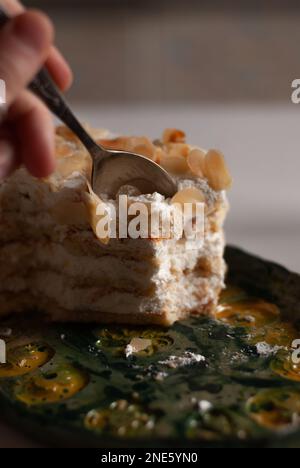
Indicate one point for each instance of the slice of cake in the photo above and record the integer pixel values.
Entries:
(55, 261)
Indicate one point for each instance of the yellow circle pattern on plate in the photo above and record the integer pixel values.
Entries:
(276, 334)
(120, 419)
(24, 359)
(275, 409)
(248, 313)
(51, 387)
(283, 366)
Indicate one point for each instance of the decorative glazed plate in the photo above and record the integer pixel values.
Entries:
(224, 382)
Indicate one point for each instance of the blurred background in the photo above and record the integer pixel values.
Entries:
(222, 71)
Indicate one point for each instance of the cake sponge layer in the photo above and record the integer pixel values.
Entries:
(53, 263)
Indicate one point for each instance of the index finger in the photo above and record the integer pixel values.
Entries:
(59, 69)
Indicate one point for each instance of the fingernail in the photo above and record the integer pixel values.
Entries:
(6, 159)
(34, 30)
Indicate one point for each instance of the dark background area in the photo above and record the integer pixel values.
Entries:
(178, 51)
(212, 5)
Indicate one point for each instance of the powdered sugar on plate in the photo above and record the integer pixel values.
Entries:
(264, 349)
(187, 359)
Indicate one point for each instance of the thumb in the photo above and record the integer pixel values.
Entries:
(24, 46)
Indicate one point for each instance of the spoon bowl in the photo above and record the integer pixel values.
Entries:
(115, 169)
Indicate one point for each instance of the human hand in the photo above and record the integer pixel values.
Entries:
(27, 130)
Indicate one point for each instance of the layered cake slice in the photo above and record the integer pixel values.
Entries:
(57, 262)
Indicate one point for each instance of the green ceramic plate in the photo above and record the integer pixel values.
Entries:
(203, 382)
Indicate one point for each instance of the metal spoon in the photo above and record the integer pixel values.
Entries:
(112, 169)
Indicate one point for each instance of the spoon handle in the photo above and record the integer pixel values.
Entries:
(45, 88)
